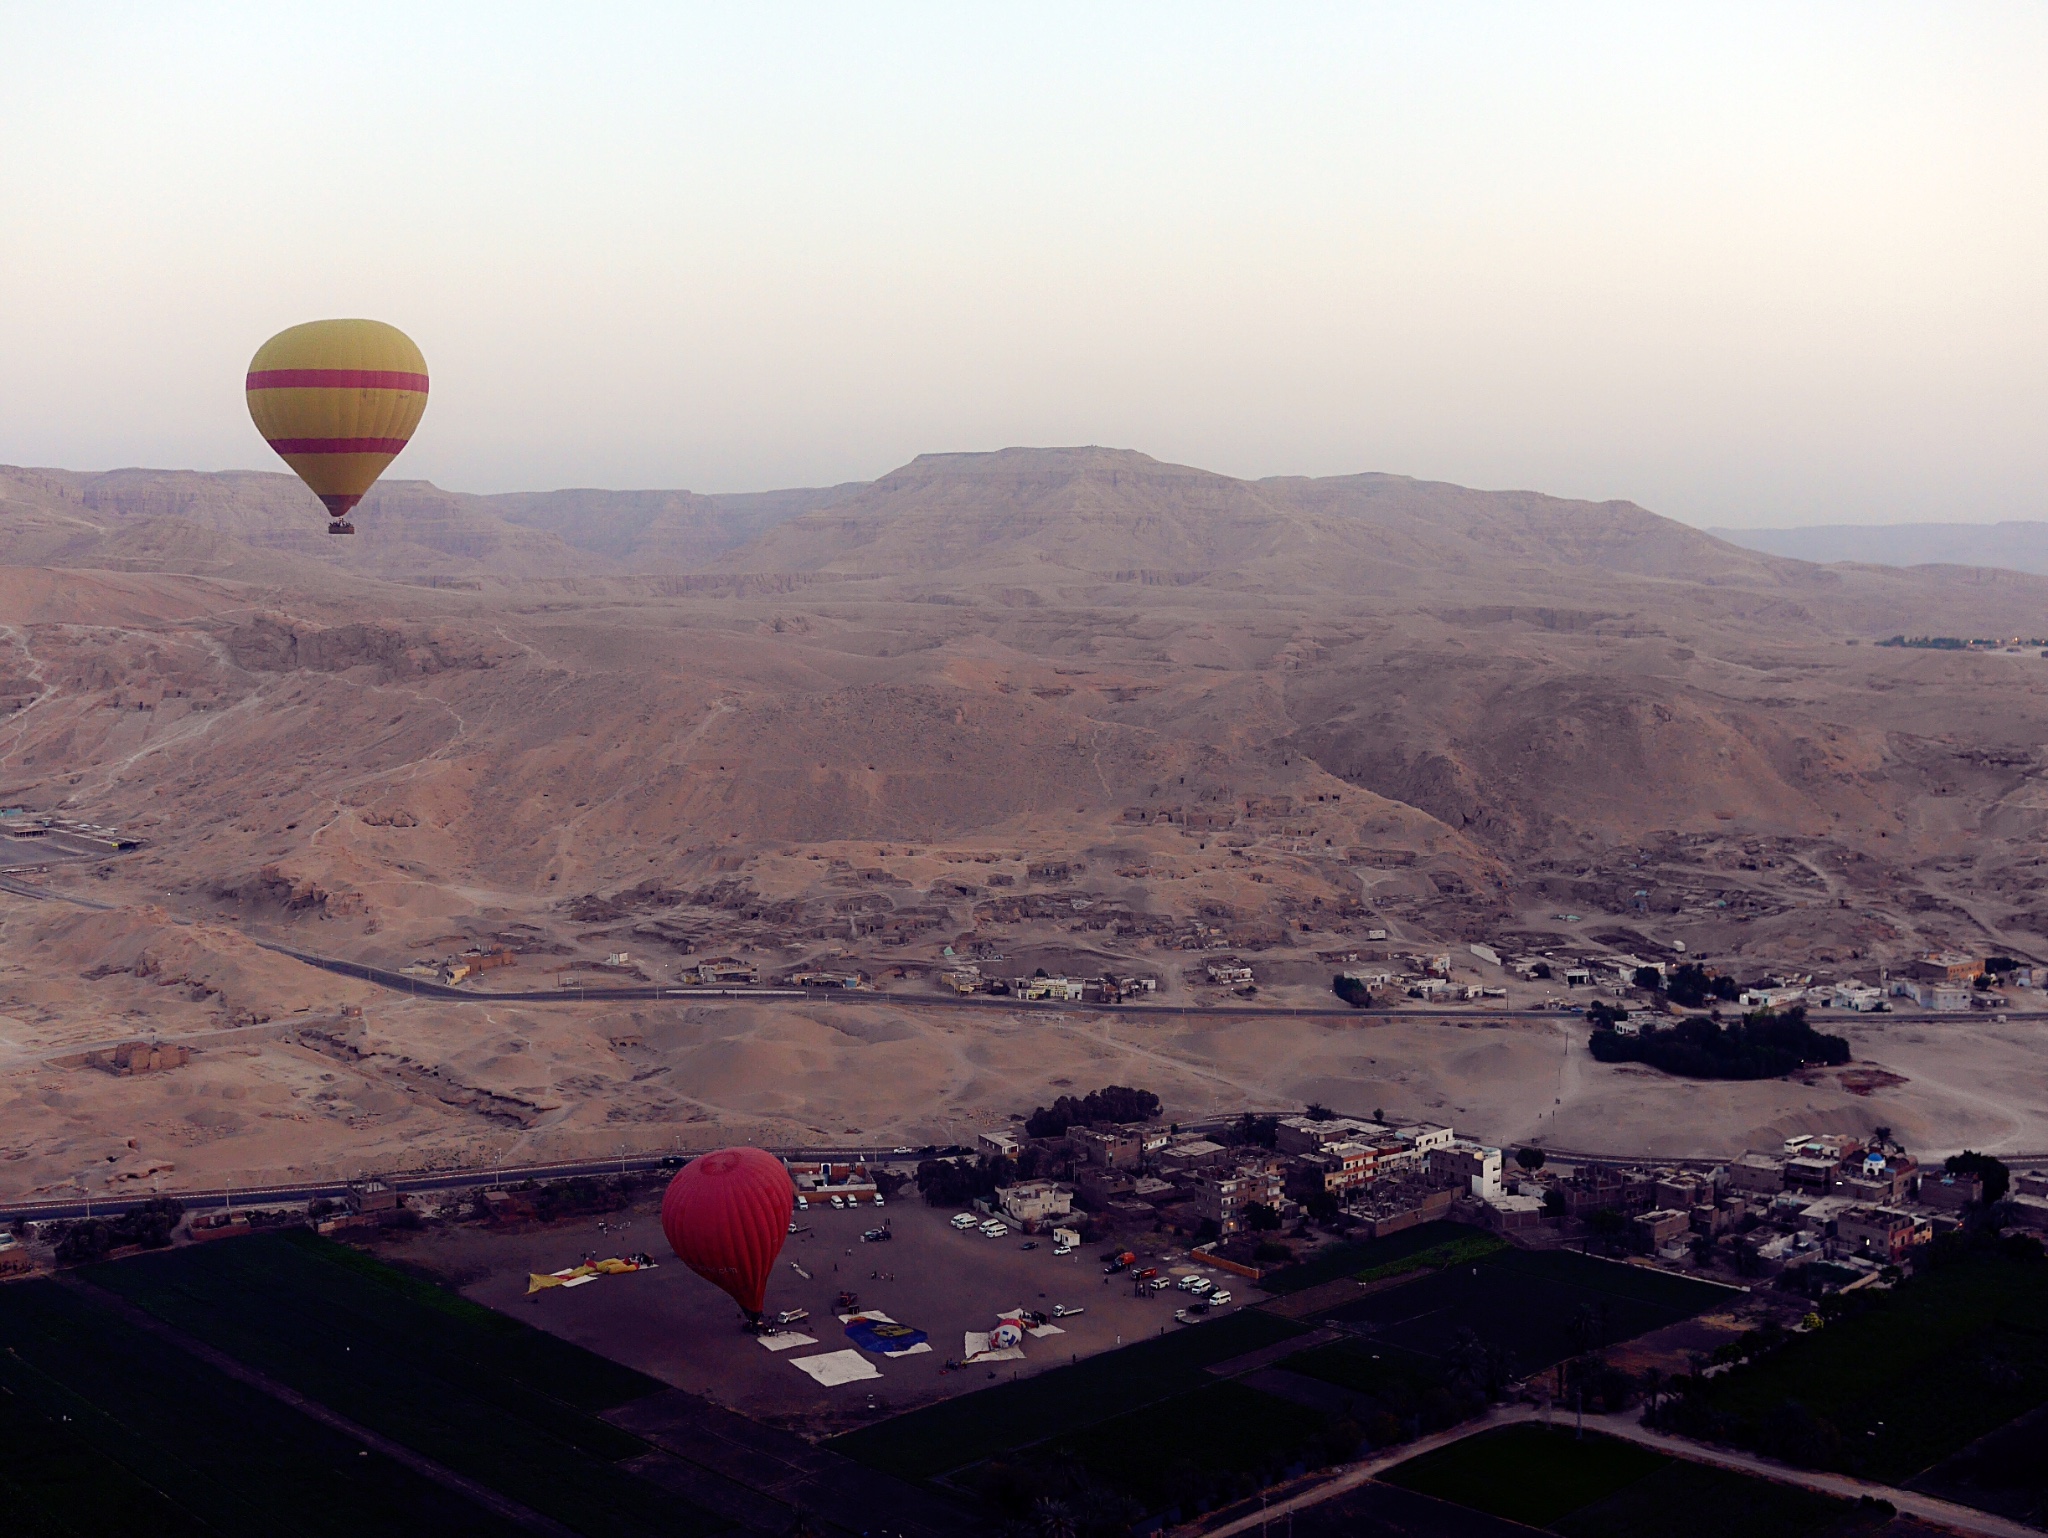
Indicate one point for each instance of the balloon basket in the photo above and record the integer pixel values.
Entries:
(341, 526)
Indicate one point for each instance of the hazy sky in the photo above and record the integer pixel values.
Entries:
(1762, 265)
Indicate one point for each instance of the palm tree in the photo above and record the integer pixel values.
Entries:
(1055, 1518)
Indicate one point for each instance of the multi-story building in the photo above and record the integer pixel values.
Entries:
(1225, 1196)
(1194, 1154)
(1120, 1148)
(1423, 1136)
(1811, 1176)
(1659, 1226)
(1950, 1193)
(1306, 1135)
(1344, 1165)
(1472, 1165)
(1878, 1233)
(1877, 1179)
(1624, 1189)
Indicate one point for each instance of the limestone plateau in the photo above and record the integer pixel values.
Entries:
(1075, 708)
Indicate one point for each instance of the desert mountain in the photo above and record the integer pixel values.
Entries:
(1072, 705)
(1123, 516)
(2016, 545)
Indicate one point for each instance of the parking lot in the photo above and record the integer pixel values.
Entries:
(677, 1327)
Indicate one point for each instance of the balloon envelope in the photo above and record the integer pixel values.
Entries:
(726, 1216)
(338, 399)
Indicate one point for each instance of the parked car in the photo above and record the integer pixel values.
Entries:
(878, 1200)
(793, 1316)
(1062, 1249)
(1061, 1311)
(963, 1221)
(1148, 1273)
(1199, 1284)
(838, 1205)
(1028, 1244)
(1159, 1284)
(1219, 1297)
(803, 1203)
(877, 1236)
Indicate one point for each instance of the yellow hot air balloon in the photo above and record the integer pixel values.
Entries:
(338, 399)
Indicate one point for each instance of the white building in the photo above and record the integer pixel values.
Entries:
(1033, 1201)
(1476, 1165)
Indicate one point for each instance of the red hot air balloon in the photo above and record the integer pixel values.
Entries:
(726, 1216)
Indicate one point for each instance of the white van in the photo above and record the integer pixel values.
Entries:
(963, 1221)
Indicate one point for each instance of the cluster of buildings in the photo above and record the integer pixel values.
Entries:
(450, 970)
(967, 978)
(724, 971)
(1384, 1176)
(1826, 1198)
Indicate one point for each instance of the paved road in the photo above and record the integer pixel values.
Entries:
(431, 1180)
(1962, 1519)
(399, 983)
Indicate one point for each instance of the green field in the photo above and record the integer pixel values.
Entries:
(104, 1428)
(1342, 1260)
(1904, 1380)
(1202, 1448)
(1416, 1391)
(949, 1435)
(1528, 1474)
(1604, 1487)
(481, 1394)
(1536, 1307)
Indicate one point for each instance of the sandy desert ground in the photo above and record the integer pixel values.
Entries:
(1074, 708)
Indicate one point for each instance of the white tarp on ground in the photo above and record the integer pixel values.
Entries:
(836, 1367)
(979, 1350)
(1040, 1331)
(782, 1340)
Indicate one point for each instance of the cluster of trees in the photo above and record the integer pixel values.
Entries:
(1690, 986)
(580, 1195)
(148, 1225)
(1760, 1045)
(1250, 1131)
(956, 1182)
(1996, 1177)
(1114, 1102)
(1351, 991)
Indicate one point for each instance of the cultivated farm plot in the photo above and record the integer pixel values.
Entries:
(1205, 1446)
(1602, 1487)
(105, 1428)
(957, 1432)
(503, 1404)
(1911, 1378)
(1538, 1306)
(1344, 1260)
